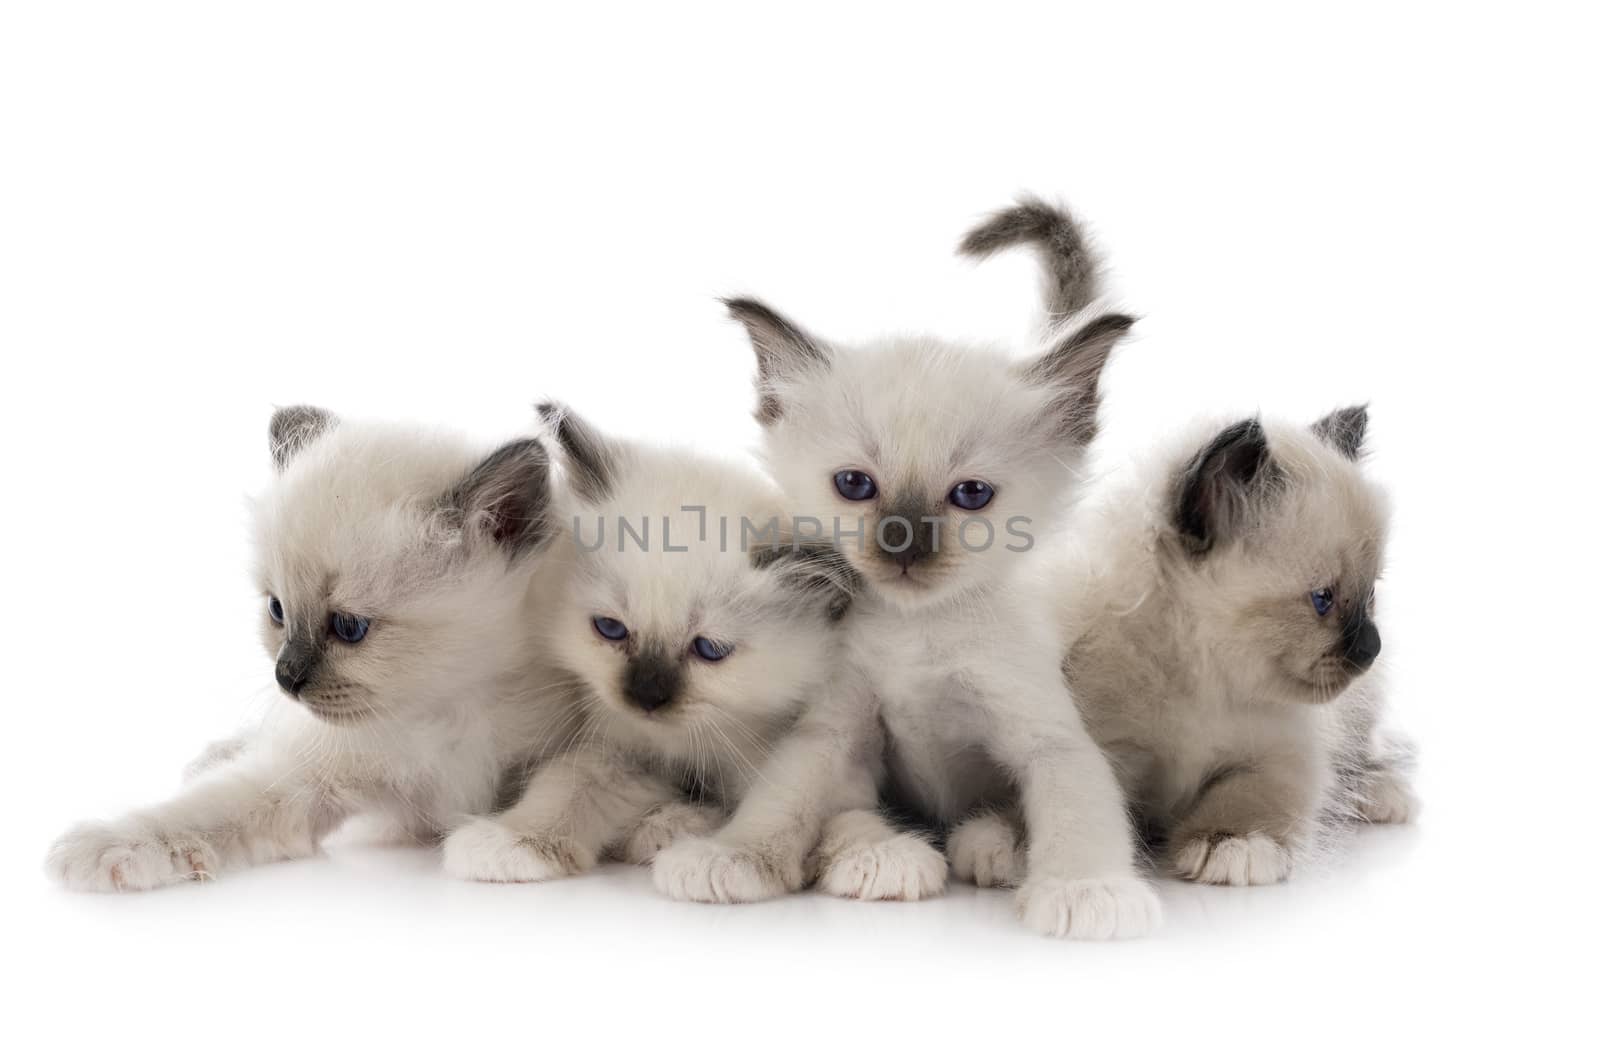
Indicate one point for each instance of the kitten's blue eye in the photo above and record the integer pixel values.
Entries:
(349, 627)
(972, 495)
(855, 485)
(710, 649)
(611, 628)
(1322, 601)
(275, 609)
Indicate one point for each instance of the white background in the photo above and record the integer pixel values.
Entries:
(444, 212)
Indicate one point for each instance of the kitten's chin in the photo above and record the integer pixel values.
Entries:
(909, 591)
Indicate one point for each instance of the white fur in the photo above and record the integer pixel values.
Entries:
(620, 783)
(422, 718)
(1206, 676)
(952, 659)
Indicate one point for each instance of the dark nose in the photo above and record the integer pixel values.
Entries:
(651, 682)
(294, 669)
(906, 538)
(1362, 642)
(292, 679)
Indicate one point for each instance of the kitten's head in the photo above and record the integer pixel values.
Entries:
(393, 563)
(676, 630)
(1276, 541)
(948, 458)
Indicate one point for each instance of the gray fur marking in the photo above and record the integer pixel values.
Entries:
(294, 427)
(1072, 274)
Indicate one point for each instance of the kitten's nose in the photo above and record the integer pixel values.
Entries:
(1362, 643)
(651, 682)
(294, 669)
(906, 536)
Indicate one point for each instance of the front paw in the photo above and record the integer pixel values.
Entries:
(1387, 797)
(708, 872)
(1229, 859)
(1089, 909)
(95, 857)
(903, 867)
(486, 850)
(664, 826)
(985, 852)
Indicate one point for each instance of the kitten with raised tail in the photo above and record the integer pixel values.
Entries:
(394, 567)
(1220, 637)
(938, 465)
(683, 646)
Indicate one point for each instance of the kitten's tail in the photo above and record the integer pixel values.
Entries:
(1072, 272)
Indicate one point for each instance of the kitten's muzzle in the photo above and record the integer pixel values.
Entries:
(907, 534)
(651, 681)
(1359, 641)
(297, 663)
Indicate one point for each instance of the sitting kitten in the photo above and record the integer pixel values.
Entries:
(1220, 630)
(394, 568)
(682, 656)
(940, 455)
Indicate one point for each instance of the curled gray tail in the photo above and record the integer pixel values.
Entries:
(1072, 274)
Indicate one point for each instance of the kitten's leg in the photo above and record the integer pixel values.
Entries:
(666, 824)
(254, 809)
(573, 808)
(1380, 788)
(826, 765)
(862, 856)
(1081, 880)
(218, 752)
(1249, 821)
(986, 850)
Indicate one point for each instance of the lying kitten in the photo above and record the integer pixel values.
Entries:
(394, 568)
(682, 655)
(1221, 628)
(947, 458)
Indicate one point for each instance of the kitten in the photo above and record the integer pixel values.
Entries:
(949, 459)
(394, 568)
(1219, 612)
(682, 654)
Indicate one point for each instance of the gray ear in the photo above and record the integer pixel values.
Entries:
(1344, 429)
(294, 427)
(812, 569)
(1071, 369)
(782, 350)
(1215, 489)
(590, 459)
(506, 498)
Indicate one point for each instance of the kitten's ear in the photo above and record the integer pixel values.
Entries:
(590, 459)
(813, 569)
(1071, 371)
(506, 497)
(783, 350)
(1216, 488)
(294, 427)
(1344, 429)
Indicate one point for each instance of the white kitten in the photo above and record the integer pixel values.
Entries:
(948, 460)
(683, 654)
(1219, 615)
(394, 567)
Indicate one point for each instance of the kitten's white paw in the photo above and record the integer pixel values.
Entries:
(705, 871)
(665, 825)
(903, 867)
(1228, 859)
(1387, 797)
(985, 852)
(96, 857)
(1089, 909)
(485, 850)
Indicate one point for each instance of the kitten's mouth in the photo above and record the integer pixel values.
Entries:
(341, 715)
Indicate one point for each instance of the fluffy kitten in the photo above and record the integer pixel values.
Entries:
(394, 568)
(682, 654)
(1219, 612)
(949, 459)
